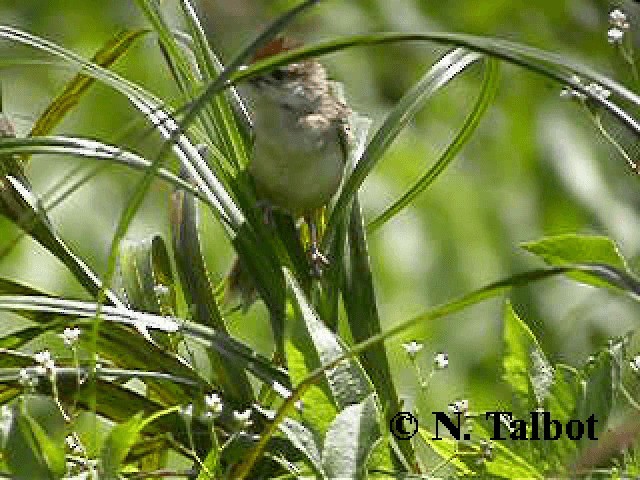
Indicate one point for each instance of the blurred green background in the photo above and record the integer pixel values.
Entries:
(536, 166)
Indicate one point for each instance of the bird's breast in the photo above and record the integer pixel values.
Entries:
(296, 166)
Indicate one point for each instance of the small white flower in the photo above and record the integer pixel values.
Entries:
(618, 18)
(412, 348)
(243, 418)
(441, 360)
(70, 336)
(73, 442)
(24, 378)
(460, 406)
(188, 410)
(635, 364)
(615, 35)
(42, 357)
(598, 90)
(214, 404)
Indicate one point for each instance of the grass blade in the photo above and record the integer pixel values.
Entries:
(489, 88)
(63, 103)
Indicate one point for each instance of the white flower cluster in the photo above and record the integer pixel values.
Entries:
(618, 26)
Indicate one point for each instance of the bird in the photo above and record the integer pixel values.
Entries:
(301, 133)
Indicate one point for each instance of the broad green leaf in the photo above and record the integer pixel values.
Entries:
(122, 437)
(301, 358)
(525, 365)
(310, 336)
(507, 464)
(35, 444)
(305, 441)
(117, 445)
(597, 396)
(562, 401)
(350, 440)
(572, 249)
(447, 450)
(211, 465)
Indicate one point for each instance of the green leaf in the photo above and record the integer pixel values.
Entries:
(35, 444)
(447, 449)
(198, 292)
(211, 465)
(350, 440)
(526, 367)
(146, 275)
(561, 403)
(117, 445)
(305, 441)
(122, 437)
(597, 397)
(73, 91)
(310, 336)
(140, 320)
(362, 314)
(20, 205)
(89, 148)
(573, 249)
(507, 464)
